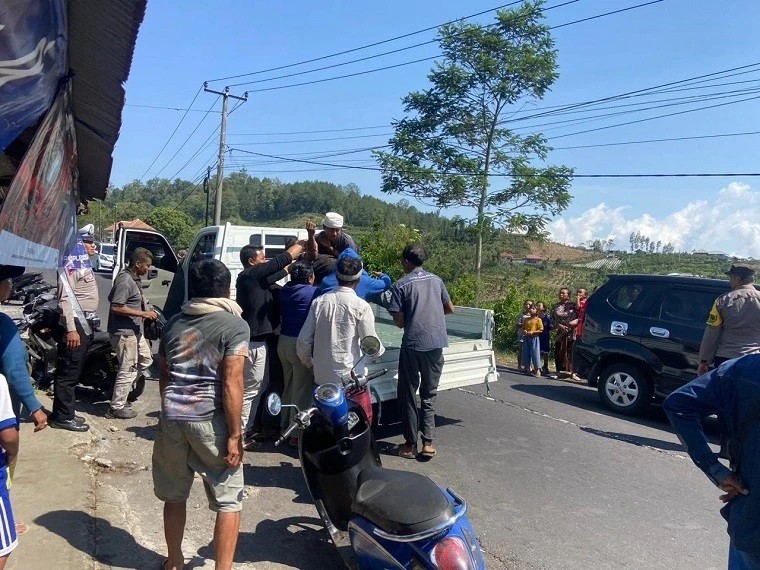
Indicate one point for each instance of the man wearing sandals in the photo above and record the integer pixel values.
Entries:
(419, 305)
(202, 354)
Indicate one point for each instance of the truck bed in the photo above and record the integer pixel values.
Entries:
(468, 360)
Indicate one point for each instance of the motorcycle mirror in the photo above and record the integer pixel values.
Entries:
(370, 346)
(274, 404)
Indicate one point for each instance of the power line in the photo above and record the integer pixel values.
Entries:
(171, 136)
(387, 67)
(188, 137)
(375, 56)
(307, 132)
(655, 175)
(315, 140)
(374, 44)
(646, 141)
(164, 108)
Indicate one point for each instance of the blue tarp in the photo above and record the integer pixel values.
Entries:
(33, 59)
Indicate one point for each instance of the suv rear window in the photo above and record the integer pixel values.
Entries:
(686, 307)
(636, 297)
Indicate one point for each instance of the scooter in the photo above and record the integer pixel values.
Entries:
(40, 322)
(377, 518)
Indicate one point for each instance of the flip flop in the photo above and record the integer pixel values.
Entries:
(21, 528)
(430, 451)
(406, 451)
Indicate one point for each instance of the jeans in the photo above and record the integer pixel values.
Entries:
(419, 370)
(135, 358)
(255, 380)
(739, 560)
(531, 353)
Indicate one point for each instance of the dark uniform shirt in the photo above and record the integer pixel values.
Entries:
(421, 296)
(255, 295)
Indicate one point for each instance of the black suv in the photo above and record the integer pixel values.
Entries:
(641, 336)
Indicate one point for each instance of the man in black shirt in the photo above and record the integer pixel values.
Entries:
(254, 295)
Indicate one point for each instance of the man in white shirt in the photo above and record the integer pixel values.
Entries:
(337, 321)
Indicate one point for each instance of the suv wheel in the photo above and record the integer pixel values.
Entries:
(625, 389)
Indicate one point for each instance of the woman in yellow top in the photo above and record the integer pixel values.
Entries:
(533, 326)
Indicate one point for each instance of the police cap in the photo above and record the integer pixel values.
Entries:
(741, 270)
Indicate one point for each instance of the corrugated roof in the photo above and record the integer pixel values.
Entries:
(102, 37)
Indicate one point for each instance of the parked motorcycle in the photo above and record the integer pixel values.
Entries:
(28, 286)
(40, 321)
(377, 518)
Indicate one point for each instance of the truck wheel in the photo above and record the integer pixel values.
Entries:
(625, 389)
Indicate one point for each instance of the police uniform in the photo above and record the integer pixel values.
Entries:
(733, 325)
(81, 281)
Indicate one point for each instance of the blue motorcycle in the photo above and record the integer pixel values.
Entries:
(377, 518)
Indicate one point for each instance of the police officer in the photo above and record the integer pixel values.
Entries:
(73, 345)
(733, 326)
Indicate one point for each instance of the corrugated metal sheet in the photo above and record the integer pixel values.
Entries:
(102, 37)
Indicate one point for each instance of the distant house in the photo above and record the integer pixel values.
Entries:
(533, 259)
(506, 256)
(713, 254)
(136, 224)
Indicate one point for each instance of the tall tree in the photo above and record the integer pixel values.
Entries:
(456, 146)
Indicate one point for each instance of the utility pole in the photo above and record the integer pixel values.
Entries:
(208, 194)
(222, 138)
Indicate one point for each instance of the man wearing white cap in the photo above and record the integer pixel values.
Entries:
(332, 240)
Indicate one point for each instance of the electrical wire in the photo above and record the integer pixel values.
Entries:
(367, 46)
(503, 175)
(387, 67)
(171, 136)
(646, 141)
(189, 136)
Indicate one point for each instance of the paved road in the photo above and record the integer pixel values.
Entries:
(553, 481)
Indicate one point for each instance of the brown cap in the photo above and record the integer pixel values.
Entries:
(741, 270)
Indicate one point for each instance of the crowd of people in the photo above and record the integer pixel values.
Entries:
(535, 326)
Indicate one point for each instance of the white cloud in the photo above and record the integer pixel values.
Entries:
(730, 223)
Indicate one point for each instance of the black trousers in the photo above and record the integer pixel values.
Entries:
(419, 370)
(68, 370)
(262, 420)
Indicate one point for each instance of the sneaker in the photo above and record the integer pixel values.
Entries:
(121, 414)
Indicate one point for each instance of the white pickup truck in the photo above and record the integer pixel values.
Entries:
(469, 358)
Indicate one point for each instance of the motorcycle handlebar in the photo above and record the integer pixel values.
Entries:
(287, 433)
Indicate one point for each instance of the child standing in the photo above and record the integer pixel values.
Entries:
(8, 454)
(533, 326)
(544, 340)
(521, 332)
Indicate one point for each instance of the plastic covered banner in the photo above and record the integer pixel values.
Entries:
(33, 47)
(38, 216)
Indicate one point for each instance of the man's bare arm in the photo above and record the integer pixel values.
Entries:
(232, 401)
(448, 308)
(399, 319)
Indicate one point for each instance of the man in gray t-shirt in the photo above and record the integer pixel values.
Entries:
(202, 352)
(125, 320)
(419, 304)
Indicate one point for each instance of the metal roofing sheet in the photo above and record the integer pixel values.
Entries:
(102, 37)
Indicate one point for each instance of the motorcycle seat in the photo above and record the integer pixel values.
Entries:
(400, 502)
(101, 337)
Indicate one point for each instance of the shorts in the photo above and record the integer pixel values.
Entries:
(8, 539)
(184, 448)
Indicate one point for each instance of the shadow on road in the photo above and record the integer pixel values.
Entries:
(287, 475)
(586, 398)
(298, 542)
(114, 547)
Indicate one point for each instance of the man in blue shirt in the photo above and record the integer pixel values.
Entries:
(369, 288)
(732, 392)
(419, 304)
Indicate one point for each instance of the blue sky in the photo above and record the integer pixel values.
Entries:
(182, 44)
